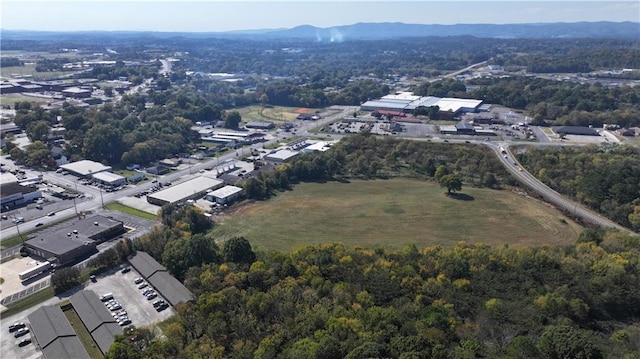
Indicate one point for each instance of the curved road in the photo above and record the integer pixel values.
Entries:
(547, 193)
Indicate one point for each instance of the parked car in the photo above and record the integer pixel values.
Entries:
(125, 270)
(93, 278)
(142, 285)
(124, 322)
(39, 224)
(15, 326)
(162, 307)
(24, 342)
(138, 280)
(151, 295)
(20, 332)
(50, 214)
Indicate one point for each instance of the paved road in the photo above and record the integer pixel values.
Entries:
(547, 193)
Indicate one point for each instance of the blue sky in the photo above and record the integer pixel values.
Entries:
(217, 15)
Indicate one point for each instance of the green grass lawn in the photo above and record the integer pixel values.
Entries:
(28, 302)
(393, 213)
(278, 114)
(83, 334)
(114, 206)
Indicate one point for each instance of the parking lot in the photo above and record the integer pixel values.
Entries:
(139, 309)
(125, 291)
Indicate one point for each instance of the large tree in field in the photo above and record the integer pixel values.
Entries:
(103, 143)
(451, 182)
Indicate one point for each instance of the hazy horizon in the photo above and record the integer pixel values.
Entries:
(224, 16)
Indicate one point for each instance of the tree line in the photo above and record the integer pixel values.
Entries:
(367, 156)
(469, 301)
(604, 178)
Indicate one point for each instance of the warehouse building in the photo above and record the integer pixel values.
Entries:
(281, 156)
(96, 318)
(163, 282)
(406, 102)
(575, 130)
(54, 335)
(184, 191)
(13, 195)
(75, 241)
(224, 195)
(260, 125)
(85, 168)
(109, 179)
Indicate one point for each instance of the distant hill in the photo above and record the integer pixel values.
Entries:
(376, 31)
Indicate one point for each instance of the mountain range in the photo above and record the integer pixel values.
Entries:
(377, 31)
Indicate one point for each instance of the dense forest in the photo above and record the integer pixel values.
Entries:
(335, 301)
(605, 178)
(563, 103)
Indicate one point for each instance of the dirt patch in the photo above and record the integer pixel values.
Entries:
(303, 110)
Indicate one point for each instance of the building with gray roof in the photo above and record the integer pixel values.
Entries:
(96, 318)
(76, 240)
(156, 275)
(54, 335)
(193, 188)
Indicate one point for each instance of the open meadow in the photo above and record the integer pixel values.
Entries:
(393, 213)
(277, 114)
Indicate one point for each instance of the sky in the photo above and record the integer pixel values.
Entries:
(221, 16)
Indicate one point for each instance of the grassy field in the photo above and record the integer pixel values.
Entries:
(393, 213)
(129, 210)
(31, 70)
(11, 99)
(28, 302)
(278, 114)
(83, 334)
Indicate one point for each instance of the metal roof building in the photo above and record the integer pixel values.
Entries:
(184, 191)
(85, 168)
(96, 318)
(54, 334)
(109, 178)
(156, 274)
(281, 156)
(225, 194)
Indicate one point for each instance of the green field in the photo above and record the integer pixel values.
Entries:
(83, 334)
(278, 114)
(114, 206)
(31, 71)
(393, 213)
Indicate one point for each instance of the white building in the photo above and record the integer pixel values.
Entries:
(85, 168)
(224, 195)
(109, 179)
(184, 191)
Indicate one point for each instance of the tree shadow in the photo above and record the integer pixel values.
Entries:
(461, 196)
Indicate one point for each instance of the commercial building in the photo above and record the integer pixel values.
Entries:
(85, 168)
(575, 130)
(75, 241)
(224, 195)
(184, 191)
(96, 318)
(281, 156)
(110, 179)
(13, 195)
(163, 282)
(260, 125)
(406, 102)
(54, 335)
(76, 92)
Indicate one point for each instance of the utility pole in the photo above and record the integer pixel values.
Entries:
(101, 199)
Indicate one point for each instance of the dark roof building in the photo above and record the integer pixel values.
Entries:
(75, 241)
(96, 318)
(156, 274)
(575, 130)
(261, 125)
(54, 334)
(13, 195)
